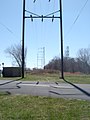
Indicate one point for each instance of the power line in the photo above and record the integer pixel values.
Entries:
(80, 12)
(52, 13)
(6, 28)
(77, 17)
(32, 13)
(9, 30)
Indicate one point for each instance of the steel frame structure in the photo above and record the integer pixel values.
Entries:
(32, 16)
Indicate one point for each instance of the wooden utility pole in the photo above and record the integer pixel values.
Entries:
(23, 32)
(61, 33)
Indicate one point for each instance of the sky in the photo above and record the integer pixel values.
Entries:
(38, 34)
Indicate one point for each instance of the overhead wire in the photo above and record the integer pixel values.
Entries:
(77, 17)
(7, 28)
(32, 13)
(80, 12)
(52, 13)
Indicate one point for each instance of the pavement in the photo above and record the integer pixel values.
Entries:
(49, 89)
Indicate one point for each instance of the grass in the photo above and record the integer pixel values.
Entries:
(74, 78)
(80, 79)
(10, 78)
(54, 77)
(42, 108)
(42, 77)
(26, 107)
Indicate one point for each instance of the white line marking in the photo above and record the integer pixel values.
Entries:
(43, 85)
(58, 86)
(39, 85)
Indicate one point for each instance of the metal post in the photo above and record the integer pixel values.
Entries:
(61, 30)
(23, 32)
(43, 57)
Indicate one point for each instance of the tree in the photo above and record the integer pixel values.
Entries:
(70, 64)
(84, 59)
(16, 53)
(79, 64)
(54, 64)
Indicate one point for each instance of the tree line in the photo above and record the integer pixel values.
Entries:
(79, 64)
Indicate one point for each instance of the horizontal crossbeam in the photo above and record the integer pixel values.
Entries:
(41, 17)
(48, 15)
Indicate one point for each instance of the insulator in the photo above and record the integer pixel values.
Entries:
(31, 18)
(34, 1)
(52, 18)
(42, 18)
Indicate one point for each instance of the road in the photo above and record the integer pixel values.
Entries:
(50, 89)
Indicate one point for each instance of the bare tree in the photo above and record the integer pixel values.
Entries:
(54, 64)
(84, 59)
(16, 53)
(79, 64)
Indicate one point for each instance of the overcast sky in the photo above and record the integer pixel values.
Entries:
(38, 34)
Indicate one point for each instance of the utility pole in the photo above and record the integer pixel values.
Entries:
(49, 16)
(44, 57)
(61, 32)
(67, 52)
(41, 58)
(23, 32)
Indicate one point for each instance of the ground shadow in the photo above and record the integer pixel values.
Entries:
(61, 94)
(85, 92)
(9, 82)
